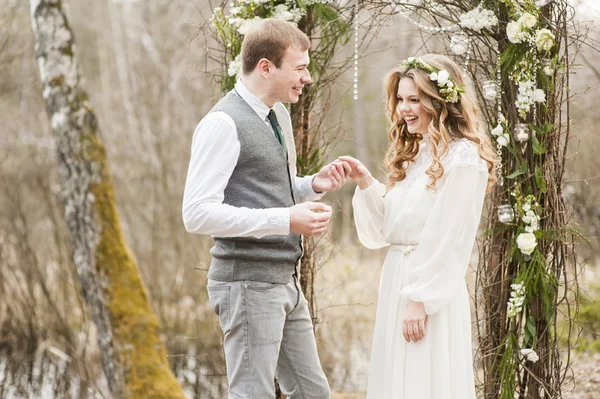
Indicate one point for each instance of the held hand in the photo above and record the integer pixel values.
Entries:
(413, 326)
(360, 174)
(310, 218)
(331, 177)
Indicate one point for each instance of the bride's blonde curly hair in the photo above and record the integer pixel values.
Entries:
(449, 121)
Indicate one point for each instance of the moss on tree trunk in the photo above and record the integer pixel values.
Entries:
(133, 357)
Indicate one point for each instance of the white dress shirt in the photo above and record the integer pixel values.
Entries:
(215, 152)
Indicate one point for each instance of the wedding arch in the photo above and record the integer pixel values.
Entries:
(518, 55)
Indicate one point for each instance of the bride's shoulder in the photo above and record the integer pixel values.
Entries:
(462, 152)
(462, 145)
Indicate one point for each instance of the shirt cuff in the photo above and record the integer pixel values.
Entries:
(279, 221)
(306, 191)
(312, 181)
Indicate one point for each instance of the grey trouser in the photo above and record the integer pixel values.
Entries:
(268, 333)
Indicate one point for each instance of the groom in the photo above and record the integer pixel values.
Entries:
(242, 189)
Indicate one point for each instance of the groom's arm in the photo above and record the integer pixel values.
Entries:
(215, 153)
(312, 187)
(330, 178)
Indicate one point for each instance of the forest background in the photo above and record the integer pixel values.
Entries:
(148, 69)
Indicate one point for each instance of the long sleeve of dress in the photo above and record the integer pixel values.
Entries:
(369, 211)
(436, 269)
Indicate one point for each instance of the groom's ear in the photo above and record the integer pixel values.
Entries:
(264, 67)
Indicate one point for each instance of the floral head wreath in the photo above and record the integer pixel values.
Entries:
(449, 91)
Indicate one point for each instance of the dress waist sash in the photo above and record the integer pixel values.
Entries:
(406, 249)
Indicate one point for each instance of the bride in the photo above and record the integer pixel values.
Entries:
(440, 165)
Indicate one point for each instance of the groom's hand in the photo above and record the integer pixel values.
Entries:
(331, 177)
(310, 218)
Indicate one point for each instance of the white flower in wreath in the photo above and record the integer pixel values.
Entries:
(282, 12)
(452, 98)
(497, 131)
(433, 76)
(517, 298)
(527, 20)
(281, 8)
(530, 355)
(534, 225)
(477, 19)
(514, 32)
(519, 288)
(526, 207)
(297, 14)
(249, 24)
(235, 66)
(442, 77)
(235, 21)
(544, 39)
(526, 243)
(502, 140)
(285, 15)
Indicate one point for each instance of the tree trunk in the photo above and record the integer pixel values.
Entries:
(300, 114)
(132, 354)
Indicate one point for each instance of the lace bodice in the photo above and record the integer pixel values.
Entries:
(398, 216)
(461, 152)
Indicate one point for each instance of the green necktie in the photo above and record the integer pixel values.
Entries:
(278, 132)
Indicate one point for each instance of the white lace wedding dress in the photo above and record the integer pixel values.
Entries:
(431, 237)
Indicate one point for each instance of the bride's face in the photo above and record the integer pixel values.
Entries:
(410, 108)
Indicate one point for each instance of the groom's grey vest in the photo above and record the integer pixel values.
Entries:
(260, 180)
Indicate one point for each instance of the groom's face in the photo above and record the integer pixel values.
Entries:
(289, 79)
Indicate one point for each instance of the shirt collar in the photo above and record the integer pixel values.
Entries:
(258, 106)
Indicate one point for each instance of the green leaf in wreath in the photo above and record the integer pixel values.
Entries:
(524, 166)
(530, 326)
(515, 174)
(530, 332)
(539, 180)
(537, 147)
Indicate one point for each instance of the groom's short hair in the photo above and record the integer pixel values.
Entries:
(270, 40)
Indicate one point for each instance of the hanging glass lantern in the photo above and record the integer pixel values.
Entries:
(506, 213)
(521, 132)
(459, 43)
(547, 67)
(490, 90)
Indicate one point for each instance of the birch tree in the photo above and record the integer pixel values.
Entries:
(133, 356)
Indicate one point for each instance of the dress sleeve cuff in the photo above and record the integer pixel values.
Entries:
(375, 188)
(407, 292)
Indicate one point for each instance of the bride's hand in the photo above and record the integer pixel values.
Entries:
(413, 326)
(360, 174)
